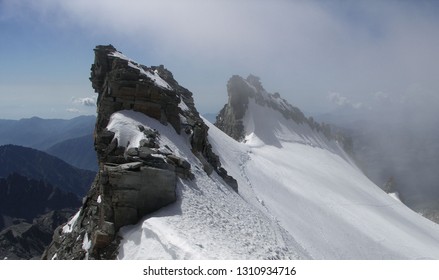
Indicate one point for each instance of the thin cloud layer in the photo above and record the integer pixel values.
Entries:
(341, 100)
(303, 49)
(73, 110)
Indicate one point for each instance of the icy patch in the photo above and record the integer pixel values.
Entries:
(183, 106)
(70, 224)
(120, 55)
(86, 245)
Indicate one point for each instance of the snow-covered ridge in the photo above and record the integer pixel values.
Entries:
(299, 194)
(325, 202)
(295, 201)
(209, 219)
(151, 74)
(271, 99)
(288, 111)
(253, 115)
(266, 126)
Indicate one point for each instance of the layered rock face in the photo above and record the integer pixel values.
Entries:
(134, 179)
(240, 91)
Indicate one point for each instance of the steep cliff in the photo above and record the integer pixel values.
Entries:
(137, 175)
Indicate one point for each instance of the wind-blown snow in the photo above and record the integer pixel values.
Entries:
(395, 196)
(300, 196)
(183, 106)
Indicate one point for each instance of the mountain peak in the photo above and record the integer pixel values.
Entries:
(240, 91)
(232, 117)
(138, 107)
(296, 184)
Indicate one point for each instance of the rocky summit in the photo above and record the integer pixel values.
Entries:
(240, 91)
(134, 179)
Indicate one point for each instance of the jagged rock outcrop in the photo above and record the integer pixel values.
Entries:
(28, 240)
(390, 185)
(240, 91)
(133, 180)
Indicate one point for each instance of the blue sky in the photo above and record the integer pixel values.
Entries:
(317, 54)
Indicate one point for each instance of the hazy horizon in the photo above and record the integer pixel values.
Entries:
(319, 55)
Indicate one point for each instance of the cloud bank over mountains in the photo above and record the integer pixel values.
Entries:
(302, 49)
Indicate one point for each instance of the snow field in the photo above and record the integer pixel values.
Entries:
(208, 221)
(300, 196)
(318, 195)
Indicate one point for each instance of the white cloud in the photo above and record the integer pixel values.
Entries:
(338, 99)
(86, 101)
(341, 100)
(299, 48)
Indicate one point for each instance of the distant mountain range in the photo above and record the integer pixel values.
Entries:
(70, 140)
(41, 134)
(38, 192)
(38, 165)
(78, 152)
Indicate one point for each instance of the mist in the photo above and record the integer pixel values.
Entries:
(395, 137)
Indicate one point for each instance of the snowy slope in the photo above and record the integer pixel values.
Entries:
(318, 195)
(209, 220)
(300, 196)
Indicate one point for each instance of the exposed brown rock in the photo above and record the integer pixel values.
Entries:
(133, 182)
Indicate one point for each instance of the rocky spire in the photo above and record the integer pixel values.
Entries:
(132, 182)
(240, 91)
